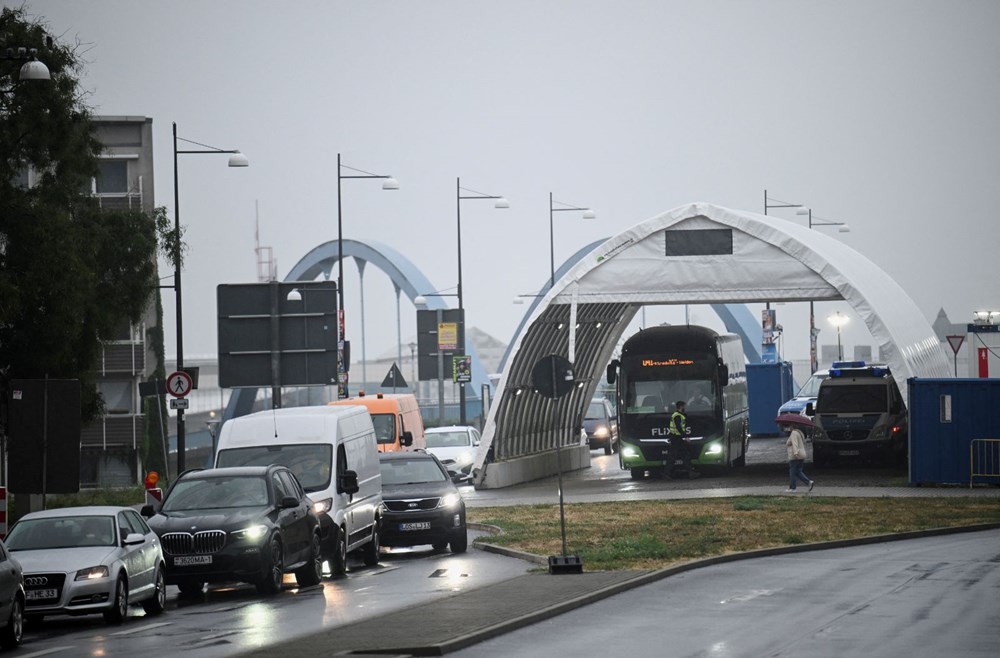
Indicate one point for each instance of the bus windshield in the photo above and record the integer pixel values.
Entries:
(655, 386)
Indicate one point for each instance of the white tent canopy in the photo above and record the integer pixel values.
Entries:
(698, 253)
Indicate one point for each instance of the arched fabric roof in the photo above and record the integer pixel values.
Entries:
(698, 253)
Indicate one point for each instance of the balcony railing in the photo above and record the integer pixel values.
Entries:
(114, 430)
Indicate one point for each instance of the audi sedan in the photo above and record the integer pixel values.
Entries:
(243, 523)
(86, 560)
(420, 503)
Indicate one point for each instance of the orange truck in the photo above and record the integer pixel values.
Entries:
(396, 417)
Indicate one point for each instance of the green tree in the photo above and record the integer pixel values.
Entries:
(70, 273)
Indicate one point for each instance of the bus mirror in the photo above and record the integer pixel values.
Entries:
(723, 374)
(613, 371)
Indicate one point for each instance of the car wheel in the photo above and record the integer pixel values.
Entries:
(439, 545)
(119, 608)
(312, 572)
(270, 580)
(10, 636)
(460, 542)
(158, 602)
(339, 566)
(371, 549)
(607, 447)
(191, 588)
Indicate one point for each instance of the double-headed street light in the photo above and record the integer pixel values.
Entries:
(813, 331)
(389, 183)
(587, 214)
(236, 159)
(499, 202)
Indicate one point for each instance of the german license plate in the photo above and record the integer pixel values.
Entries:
(188, 560)
(33, 594)
(419, 525)
(849, 453)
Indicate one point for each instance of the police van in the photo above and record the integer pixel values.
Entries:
(859, 414)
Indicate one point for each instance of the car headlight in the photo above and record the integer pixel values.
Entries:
(92, 573)
(450, 500)
(601, 432)
(629, 451)
(714, 449)
(252, 533)
(323, 506)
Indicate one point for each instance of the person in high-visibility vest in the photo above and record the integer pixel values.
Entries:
(679, 443)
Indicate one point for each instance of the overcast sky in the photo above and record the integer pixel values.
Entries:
(880, 113)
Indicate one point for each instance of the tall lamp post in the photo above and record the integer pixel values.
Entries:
(838, 321)
(389, 183)
(587, 214)
(236, 159)
(499, 202)
(32, 69)
(813, 331)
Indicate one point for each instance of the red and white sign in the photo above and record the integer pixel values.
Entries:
(984, 362)
(956, 343)
(179, 384)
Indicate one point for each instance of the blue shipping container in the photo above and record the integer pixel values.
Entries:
(769, 385)
(949, 420)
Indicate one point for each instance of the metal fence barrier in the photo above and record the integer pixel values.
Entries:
(984, 459)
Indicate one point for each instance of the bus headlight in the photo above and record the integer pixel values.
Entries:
(714, 449)
(629, 451)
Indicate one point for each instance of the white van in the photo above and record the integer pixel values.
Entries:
(332, 451)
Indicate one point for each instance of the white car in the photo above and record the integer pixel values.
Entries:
(84, 560)
(455, 446)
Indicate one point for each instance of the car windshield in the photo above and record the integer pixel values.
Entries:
(411, 471)
(309, 462)
(62, 532)
(596, 410)
(385, 427)
(448, 439)
(811, 388)
(217, 492)
(856, 398)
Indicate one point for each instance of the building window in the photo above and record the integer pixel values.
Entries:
(117, 395)
(112, 177)
(22, 178)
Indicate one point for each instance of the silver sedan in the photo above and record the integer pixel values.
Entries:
(85, 560)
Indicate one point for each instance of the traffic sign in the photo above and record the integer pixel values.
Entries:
(956, 342)
(179, 384)
(180, 403)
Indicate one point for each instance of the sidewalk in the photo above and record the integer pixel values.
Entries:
(462, 620)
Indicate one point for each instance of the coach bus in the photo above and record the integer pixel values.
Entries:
(660, 366)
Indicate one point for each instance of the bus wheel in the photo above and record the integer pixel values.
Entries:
(637, 473)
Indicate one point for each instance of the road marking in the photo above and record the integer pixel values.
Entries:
(44, 652)
(140, 629)
(753, 594)
(438, 573)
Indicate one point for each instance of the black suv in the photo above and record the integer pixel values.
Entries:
(420, 503)
(246, 523)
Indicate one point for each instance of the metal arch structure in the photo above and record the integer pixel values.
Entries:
(585, 314)
(737, 317)
(405, 277)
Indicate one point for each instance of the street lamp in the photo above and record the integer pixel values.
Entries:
(838, 321)
(236, 159)
(32, 69)
(813, 331)
(587, 214)
(389, 183)
(501, 203)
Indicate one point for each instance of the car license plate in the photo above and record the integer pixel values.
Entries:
(849, 453)
(187, 560)
(420, 525)
(33, 594)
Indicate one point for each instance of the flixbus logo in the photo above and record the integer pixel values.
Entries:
(660, 431)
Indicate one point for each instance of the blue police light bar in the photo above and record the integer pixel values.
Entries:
(848, 364)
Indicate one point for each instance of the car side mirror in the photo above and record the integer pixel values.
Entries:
(288, 502)
(134, 538)
(347, 482)
(147, 511)
(810, 409)
(406, 439)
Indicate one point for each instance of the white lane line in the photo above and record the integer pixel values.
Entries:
(44, 652)
(140, 629)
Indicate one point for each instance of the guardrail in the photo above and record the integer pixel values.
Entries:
(984, 459)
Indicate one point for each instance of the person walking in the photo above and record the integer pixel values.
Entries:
(680, 447)
(796, 445)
